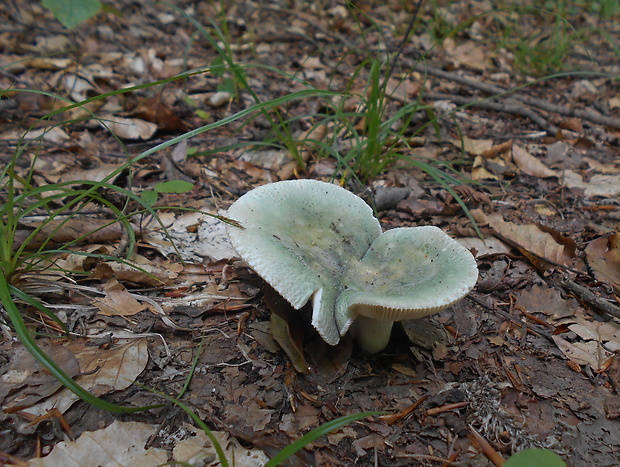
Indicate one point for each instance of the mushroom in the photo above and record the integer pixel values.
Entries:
(315, 240)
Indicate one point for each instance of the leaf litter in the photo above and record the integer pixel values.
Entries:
(522, 361)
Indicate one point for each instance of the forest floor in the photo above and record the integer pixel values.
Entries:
(531, 358)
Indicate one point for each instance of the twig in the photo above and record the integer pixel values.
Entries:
(395, 417)
(405, 39)
(592, 299)
(488, 450)
(492, 308)
(586, 114)
(510, 107)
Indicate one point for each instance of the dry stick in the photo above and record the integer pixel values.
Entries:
(510, 107)
(586, 114)
(592, 299)
(513, 319)
(405, 39)
(488, 450)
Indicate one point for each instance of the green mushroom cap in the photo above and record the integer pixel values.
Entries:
(315, 240)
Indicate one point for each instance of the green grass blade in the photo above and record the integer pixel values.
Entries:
(315, 434)
(29, 342)
(33, 302)
(218, 448)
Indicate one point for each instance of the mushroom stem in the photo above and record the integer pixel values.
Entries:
(372, 335)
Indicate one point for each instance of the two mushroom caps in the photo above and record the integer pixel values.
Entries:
(312, 240)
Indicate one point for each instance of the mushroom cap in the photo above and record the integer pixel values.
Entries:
(311, 239)
(411, 273)
(300, 236)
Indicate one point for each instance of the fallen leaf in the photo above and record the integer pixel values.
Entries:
(404, 369)
(476, 147)
(136, 273)
(117, 301)
(599, 185)
(129, 128)
(537, 239)
(86, 229)
(196, 236)
(248, 414)
(120, 444)
(96, 175)
(530, 164)
(303, 418)
(281, 332)
(546, 300)
(488, 246)
(152, 109)
(479, 170)
(28, 381)
(370, 442)
(603, 255)
(584, 353)
(104, 371)
(607, 333)
(198, 447)
(54, 135)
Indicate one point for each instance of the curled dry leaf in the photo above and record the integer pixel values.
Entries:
(197, 446)
(117, 301)
(122, 443)
(27, 381)
(152, 109)
(103, 371)
(584, 353)
(137, 272)
(88, 229)
(286, 329)
(603, 255)
(541, 241)
(529, 164)
(129, 128)
(599, 185)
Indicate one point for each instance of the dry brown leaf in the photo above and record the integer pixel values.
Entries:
(88, 230)
(480, 172)
(469, 54)
(602, 168)
(280, 330)
(96, 175)
(529, 164)
(305, 417)
(54, 135)
(572, 124)
(603, 255)
(488, 246)
(148, 274)
(199, 446)
(117, 301)
(47, 63)
(599, 185)
(496, 150)
(152, 109)
(104, 371)
(607, 334)
(541, 241)
(129, 128)
(476, 147)
(122, 443)
(584, 353)
(26, 379)
(546, 300)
